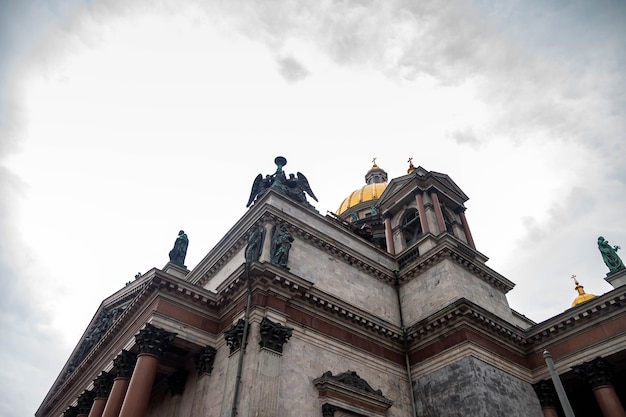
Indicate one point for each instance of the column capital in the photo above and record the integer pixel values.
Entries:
(71, 411)
(234, 335)
(124, 364)
(274, 335)
(85, 401)
(176, 382)
(597, 372)
(546, 393)
(153, 340)
(102, 385)
(205, 360)
(328, 410)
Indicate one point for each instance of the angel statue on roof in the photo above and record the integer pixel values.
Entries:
(294, 186)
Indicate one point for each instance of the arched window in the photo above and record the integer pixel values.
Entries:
(411, 227)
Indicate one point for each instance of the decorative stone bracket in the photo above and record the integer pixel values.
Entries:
(348, 391)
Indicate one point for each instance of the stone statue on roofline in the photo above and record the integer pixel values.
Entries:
(294, 186)
(610, 256)
(179, 252)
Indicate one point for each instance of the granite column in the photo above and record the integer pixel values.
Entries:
(152, 342)
(599, 374)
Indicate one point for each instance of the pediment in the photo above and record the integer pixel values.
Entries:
(422, 179)
(394, 186)
(108, 313)
(445, 180)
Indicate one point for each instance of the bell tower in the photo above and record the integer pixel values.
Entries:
(419, 219)
(426, 230)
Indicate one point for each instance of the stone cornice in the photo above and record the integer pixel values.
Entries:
(447, 250)
(528, 340)
(352, 315)
(582, 316)
(464, 310)
(265, 275)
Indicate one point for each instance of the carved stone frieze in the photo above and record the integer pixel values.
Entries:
(274, 335)
(205, 360)
(154, 340)
(100, 325)
(234, 335)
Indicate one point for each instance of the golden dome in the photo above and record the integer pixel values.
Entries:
(375, 184)
(368, 192)
(582, 296)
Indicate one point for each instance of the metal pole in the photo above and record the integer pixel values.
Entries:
(244, 339)
(567, 408)
(406, 343)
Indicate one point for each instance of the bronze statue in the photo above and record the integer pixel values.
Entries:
(295, 186)
(178, 253)
(281, 245)
(609, 255)
(255, 243)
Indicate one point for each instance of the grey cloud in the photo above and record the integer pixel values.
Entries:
(560, 82)
(465, 136)
(292, 70)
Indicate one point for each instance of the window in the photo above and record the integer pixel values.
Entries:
(411, 227)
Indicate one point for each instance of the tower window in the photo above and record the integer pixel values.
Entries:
(411, 227)
(447, 219)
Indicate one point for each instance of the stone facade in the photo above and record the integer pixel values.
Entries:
(342, 326)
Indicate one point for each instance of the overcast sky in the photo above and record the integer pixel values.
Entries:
(122, 122)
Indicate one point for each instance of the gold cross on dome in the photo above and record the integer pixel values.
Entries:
(410, 160)
(374, 161)
(575, 280)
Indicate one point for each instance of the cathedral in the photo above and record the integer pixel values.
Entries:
(385, 307)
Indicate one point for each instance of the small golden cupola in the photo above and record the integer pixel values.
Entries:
(582, 295)
(411, 166)
(362, 199)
